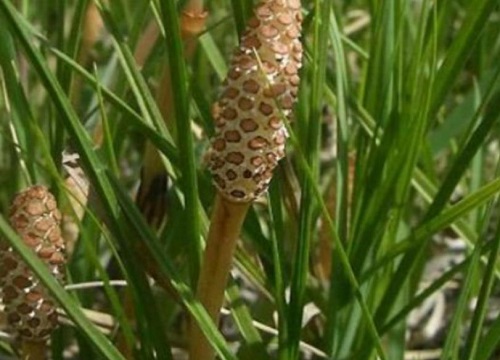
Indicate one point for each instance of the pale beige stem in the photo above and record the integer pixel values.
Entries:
(146, 43)
(33, 350)
(195, 7)
(91, 32)
(225, 227)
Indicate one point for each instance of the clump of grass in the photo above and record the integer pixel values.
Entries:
(393, 150)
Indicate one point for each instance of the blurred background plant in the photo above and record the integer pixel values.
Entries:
(379, 236)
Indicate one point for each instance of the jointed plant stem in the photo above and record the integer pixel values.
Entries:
(33, 350)
(225, 227)
(193, 7)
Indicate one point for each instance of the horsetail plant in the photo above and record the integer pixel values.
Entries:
(249, 139)
(30, 310)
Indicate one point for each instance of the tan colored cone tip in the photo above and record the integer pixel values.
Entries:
(31, 312)
(261, 86)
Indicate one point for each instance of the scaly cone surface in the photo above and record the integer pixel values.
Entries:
(31, 312)
(261, 87)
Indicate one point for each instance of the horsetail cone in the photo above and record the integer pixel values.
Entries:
(30, 311)
(260, 88)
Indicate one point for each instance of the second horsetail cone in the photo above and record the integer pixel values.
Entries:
(30, 310)
(260, 88)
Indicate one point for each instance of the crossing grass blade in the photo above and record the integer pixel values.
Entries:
(185, 143)
(393, 148)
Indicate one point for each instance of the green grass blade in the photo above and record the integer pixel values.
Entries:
(307, 208)
(214, 55)
(276, 218)
(243, 319)
(449, 217)
(189, 183)
(241, 11)
(19, 108)
(410, 259)
(452, 343)
(472, 344)
(461, 48)
(161, 140)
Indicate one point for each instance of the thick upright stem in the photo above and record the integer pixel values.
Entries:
(225, 227)
(33, 350)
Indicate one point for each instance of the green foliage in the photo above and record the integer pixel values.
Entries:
(397, 114)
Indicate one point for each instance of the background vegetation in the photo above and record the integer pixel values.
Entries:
(393, 163)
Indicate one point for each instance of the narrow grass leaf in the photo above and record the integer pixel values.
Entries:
(189, 180)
